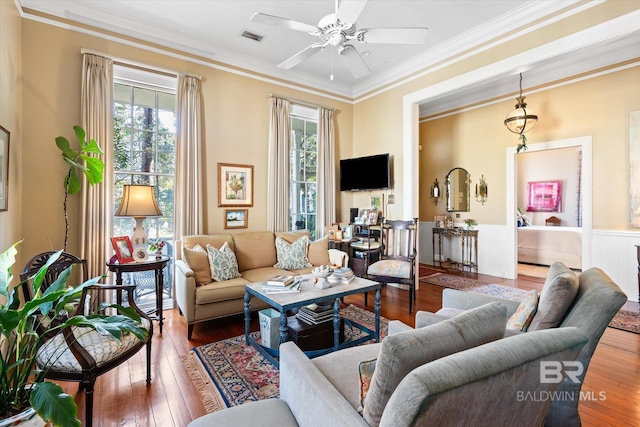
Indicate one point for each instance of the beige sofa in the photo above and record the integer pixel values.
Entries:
(200, 298)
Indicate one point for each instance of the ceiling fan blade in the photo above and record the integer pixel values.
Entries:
(349, 10)
(263, 18)
(302, 55)
(354, 62)
(393, 35)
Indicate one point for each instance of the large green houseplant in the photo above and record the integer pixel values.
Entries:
(22, 383)
(83, 160)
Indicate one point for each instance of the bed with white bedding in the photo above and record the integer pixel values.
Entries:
(545, 245)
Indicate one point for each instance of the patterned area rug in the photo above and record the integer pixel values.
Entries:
(230, 372)
(424, 271)
(626, 320)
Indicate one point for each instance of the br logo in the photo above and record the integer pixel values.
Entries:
(552, 372)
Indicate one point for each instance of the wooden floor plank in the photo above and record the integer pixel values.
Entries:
(172, 400)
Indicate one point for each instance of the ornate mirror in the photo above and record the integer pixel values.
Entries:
(458, 195)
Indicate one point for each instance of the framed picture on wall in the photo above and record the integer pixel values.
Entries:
(544, 196)
(4, 169)
(236, 218)
(235, 185)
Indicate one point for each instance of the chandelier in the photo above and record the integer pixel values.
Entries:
(521, 120)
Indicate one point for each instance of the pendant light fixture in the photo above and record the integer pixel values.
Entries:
(521, 120)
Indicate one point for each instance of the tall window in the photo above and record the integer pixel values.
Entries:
(145, 144)
(144, 116)
(303, 167)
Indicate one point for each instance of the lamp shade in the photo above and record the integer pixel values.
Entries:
(138, 201)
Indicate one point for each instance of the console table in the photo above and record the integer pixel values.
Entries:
(469, 238)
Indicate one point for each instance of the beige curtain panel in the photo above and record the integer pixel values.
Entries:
(278, 181)
(97, 200)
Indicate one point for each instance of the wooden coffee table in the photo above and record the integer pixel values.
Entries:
(309, 294)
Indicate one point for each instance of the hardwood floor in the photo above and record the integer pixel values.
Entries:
(122, 398)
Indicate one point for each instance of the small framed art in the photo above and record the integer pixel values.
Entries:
(4, 169)
(236, 218)
(123, 248)
(235, 185)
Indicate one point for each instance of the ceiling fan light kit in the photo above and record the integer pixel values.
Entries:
(337, 30)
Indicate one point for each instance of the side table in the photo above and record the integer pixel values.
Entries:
(156, 264)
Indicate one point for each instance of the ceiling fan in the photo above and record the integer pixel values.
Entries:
(339, 30)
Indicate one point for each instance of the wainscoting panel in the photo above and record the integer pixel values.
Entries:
(614, 252)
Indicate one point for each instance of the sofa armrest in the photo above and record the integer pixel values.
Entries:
(453, 298)
(425, 318)
(313, 400)
(185, 290)
(396, 326)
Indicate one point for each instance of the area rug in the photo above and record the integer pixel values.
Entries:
(626, 320)
(424, 271)
(230, 372)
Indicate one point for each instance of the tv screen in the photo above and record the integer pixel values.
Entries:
(365, 173)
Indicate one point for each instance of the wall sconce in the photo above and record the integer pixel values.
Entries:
(435, 192)
(521, 120)
(482, 190)
(139, 202)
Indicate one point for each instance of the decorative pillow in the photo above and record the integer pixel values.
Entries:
(198, 260)
(524, 314)
(223, 263)
(403, 352)
(558, 293)
(319, 252)
(365, 369)
(292, 256)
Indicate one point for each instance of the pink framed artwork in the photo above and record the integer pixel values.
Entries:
(544, 196)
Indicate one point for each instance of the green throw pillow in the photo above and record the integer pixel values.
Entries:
(223, 263)
(292, 256)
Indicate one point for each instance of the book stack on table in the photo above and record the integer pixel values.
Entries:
(341, 275)
(314, 314)
(282, 285)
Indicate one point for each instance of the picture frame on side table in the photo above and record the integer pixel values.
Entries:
(347, 232)
(440, 221)
(236, 218)
(4, 169)
(372, 218)
(123, 248)
(235, 185)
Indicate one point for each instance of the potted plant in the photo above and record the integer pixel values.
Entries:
(83, 160)
(22, 382)
(470, 223)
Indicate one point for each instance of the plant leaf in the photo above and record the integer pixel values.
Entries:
(94, 169)
(63, 144)
(80, 133)
(52, 404)
(73, 183)
(7, 259)
(92, 147)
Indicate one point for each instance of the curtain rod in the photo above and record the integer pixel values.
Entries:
(139, 64)
(306, 104)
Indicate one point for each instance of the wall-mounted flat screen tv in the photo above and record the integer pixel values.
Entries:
(365, 173)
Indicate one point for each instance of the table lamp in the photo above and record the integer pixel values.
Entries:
(139, 202)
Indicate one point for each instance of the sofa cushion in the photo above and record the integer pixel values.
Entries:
(221, 291)
(198, 260)
(292, 236)
(558, 293)
(255, 250)
(319, 252)
(223, 263)
(521, 319)
(292, 256)
(403, 352)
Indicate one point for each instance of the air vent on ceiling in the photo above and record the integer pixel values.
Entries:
(252, 36)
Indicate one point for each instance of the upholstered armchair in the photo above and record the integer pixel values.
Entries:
(457, 372)
(587, 301)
